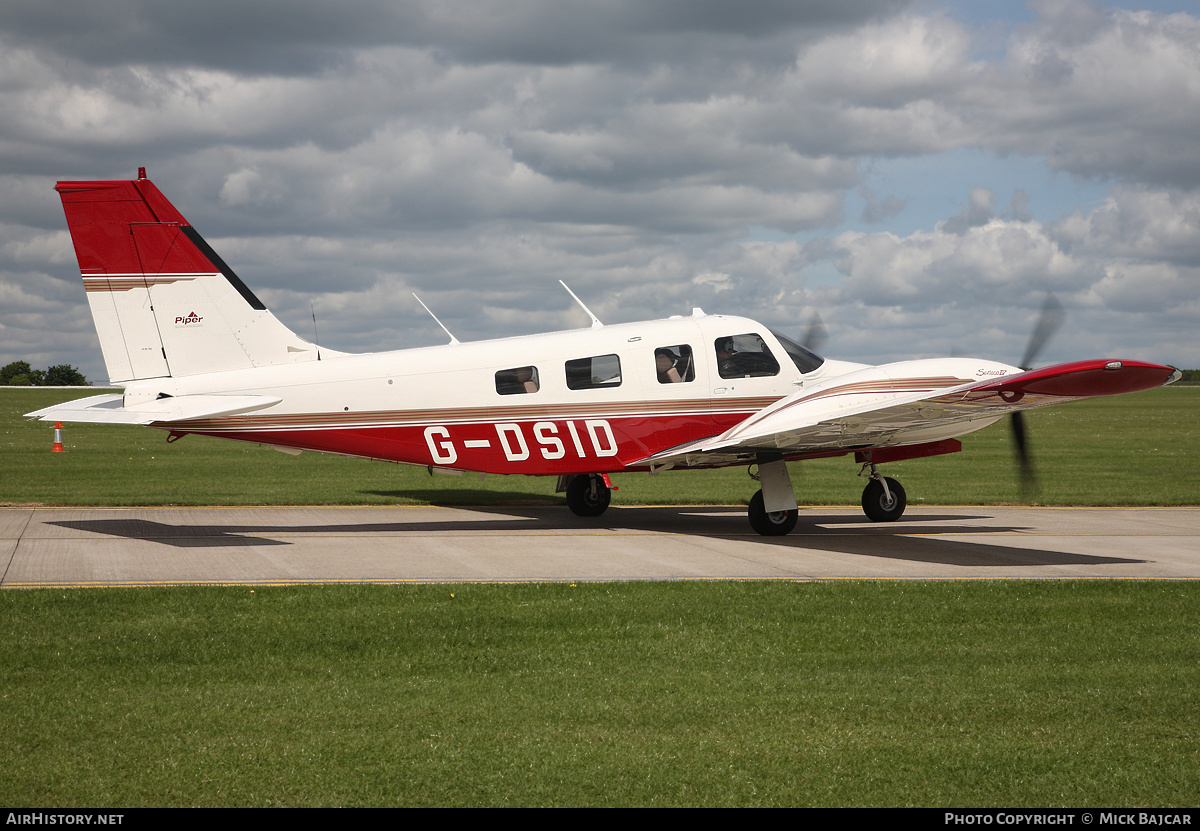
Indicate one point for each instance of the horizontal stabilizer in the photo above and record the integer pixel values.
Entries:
(109, 409)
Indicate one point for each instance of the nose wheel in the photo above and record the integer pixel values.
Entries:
(588, 495)
(883, 499)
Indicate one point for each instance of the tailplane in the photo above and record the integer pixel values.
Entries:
(164, 303)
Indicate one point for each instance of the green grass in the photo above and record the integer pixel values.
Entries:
(856, 693)
(954, 693)
(1139, 449)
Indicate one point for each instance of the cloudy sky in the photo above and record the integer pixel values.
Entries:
(919, 173)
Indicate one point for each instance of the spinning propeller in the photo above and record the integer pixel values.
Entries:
(816, 333)
(1048, 322)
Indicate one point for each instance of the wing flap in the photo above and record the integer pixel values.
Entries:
(109, 409)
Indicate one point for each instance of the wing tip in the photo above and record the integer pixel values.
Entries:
(1087, 379)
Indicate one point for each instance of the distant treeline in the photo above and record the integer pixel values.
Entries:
(1190, 376)
(20, 374)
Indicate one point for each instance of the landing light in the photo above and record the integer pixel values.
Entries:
(1113, 365)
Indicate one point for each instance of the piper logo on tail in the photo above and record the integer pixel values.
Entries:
(191, 319)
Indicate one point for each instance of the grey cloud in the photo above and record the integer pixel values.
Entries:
(1070, 22)
(293, 36)
(979, 211)
(875, 211)
(1137, 223)
(1126, 104)
(1116, 95)
(1018, 206)
(43, 319)
(1152, 288)
(345, 156)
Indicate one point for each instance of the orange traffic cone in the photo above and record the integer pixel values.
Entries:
(58, 448)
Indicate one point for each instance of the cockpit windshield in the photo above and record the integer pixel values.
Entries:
(804, 359)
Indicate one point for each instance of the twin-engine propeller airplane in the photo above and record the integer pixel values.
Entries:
(197, 352)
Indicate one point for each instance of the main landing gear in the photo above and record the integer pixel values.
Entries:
(588, 495)
(773, 511)
(772, 524)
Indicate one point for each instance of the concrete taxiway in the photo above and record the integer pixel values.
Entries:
(167, 546)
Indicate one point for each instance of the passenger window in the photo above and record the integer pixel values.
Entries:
(593, 373)
(674, 364)
(744, 356)
(523, 379)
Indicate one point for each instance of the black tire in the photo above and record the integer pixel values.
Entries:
(875, 503)
(583, 500)
(770, 525)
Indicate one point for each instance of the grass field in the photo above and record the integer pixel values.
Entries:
(1011, 694)
(1139, 449)
(1015, 694)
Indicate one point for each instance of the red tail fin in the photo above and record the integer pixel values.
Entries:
(160, 296)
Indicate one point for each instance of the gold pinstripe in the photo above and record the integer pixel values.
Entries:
(477, 415)
(126, 282)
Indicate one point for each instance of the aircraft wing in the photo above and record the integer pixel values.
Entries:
(109, 409)
(911, 402)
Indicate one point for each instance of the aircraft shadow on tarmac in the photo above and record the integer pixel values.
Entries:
(915, 539)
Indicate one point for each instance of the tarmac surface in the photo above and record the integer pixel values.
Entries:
(42, 547)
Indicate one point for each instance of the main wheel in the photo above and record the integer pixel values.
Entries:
(878, 507)
(770, 525)
(588, 495)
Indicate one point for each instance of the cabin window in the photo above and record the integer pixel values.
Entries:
(594, 373)
(523, 379)
(744, 356)
(674, 364)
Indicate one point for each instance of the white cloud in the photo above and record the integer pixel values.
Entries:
(1102, 93)
(906, 58)
(627, 148)
(1138, 223)
(1102, 265)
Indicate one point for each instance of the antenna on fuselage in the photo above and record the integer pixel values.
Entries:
(595, 320)
(312, 308)
(453, 340)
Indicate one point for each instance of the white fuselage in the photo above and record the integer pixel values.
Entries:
(586, 400)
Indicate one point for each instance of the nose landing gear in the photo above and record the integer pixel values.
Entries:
(883, 498)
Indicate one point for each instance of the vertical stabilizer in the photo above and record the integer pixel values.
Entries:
(163, 302)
